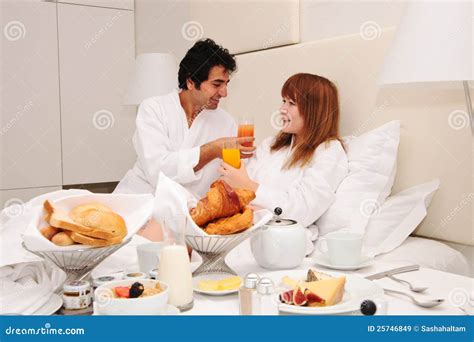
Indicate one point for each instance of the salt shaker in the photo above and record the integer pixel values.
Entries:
(248, 294)
(266, 303)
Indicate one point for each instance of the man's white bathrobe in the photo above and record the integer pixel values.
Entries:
(303, 194)
(164, 142)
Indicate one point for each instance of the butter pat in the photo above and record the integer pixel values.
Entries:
(226, 284)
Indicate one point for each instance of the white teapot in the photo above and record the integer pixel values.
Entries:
(279, 244)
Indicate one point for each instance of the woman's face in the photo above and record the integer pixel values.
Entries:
(293, 122)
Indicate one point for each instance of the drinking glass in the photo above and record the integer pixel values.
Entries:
(231, 153)
(175, 268)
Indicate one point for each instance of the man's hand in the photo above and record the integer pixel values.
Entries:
(246, 152)
(213, 150)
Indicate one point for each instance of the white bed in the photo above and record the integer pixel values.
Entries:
(428, 145)
(429, 253)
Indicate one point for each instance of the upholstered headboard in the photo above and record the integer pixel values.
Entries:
(432, 145)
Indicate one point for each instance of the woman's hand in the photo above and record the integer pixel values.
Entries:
(237, 178)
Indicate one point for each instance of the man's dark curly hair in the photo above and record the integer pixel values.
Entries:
(199, 60)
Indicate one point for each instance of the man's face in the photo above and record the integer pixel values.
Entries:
(212, 89)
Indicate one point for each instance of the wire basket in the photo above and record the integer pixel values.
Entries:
(77, 264)
(213, 249)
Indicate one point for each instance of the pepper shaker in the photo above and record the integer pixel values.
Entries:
(266, 303)
(248, 294)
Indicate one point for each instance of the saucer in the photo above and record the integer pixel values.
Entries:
(323, 260)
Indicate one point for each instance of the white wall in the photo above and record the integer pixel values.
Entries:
(327, 19)
(238, 25)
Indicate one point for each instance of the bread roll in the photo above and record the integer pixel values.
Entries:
(49, 231)
(62, 239)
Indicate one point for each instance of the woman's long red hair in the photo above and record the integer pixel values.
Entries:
(318, 104)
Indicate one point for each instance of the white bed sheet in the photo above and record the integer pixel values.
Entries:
(428, 253)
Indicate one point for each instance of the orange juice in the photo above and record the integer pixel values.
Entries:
(246, 130)
(231, 156)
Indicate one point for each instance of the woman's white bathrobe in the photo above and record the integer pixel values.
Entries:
(164, 142)
(303, 194)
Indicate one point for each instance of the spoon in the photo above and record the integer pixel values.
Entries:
(412, 287)
(425, 303)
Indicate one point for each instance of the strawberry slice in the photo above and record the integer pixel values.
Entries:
(122, 291)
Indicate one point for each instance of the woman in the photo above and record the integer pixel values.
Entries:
(300, 169)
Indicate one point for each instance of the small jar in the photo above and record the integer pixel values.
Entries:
(77, 295)
(135, 275)
(154, 274)
(102, 280)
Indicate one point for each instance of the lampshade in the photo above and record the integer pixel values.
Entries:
(155, 74)
(433, 43)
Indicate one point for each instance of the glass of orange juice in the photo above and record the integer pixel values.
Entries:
(231, 153)
(246, 129)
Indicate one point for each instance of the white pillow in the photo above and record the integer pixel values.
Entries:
(398, 217)
(372, 161)
(428, 253)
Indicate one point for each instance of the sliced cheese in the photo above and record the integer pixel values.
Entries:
(331, 290)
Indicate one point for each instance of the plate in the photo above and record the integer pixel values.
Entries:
(357, 289)
(197, 279)
(50, 307)
(323, 260)
(170, 310)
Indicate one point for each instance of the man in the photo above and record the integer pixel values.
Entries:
(182, 134)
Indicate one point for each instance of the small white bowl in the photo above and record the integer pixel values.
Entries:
(107, 304)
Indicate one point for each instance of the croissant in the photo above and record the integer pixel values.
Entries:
(220, 201)
(231, 225)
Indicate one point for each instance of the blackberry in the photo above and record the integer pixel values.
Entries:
(136, 290)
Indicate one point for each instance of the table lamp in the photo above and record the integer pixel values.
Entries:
(433, 44)
(155, 74)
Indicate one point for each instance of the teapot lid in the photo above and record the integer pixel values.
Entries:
(277, 221)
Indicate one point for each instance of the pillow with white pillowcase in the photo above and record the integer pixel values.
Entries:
(372, 159)
(397, 218)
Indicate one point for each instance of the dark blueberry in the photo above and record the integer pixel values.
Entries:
(136, 290)
(368, 307)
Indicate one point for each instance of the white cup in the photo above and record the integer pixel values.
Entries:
(149, 255)
(343, 248)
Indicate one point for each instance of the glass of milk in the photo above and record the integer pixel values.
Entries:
(174, 266)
